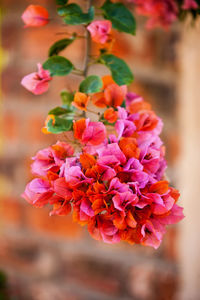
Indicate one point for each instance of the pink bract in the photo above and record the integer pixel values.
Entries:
(37, 82)
(100, 31)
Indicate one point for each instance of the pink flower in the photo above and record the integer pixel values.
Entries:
(100, 31)
(86, 208)
(130, 97)
(161, 12)
(106, 172)
(122, 200)
(61, 188)
(133, 163)
(38, 192)
(190, 4)
(152, 232)
(51, 158)
(109, 153)
(125, 128)
(117, 187)
(35, 16)
(175, 216)
(37, 82)
(91, 133)
(94, 134)
(74, 176)
(109, 233)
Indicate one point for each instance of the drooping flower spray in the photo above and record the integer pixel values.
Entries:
(111, 173)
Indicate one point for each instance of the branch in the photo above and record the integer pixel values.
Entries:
(88, 44)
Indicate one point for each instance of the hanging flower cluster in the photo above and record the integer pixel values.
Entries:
(110, 173)
(115, 184)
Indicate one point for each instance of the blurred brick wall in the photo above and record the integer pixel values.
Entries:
(48, 258)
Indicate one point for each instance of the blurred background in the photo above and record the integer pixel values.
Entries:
(52, 258)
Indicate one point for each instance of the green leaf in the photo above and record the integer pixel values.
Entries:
(58, 111)
(120, 16)
(123, 104)
(73, 14)
(58, 66)
(69, 10)
(121, 73)
(67, 99)
(61, 2)
(60, 45)
(92, 84)
(59, 125)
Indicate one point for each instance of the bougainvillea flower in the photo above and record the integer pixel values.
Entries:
(136, 103)
(109, 233)
(112, 149)
(161, 13)
(117, 187)
(189, 4)
(51, 158)
(132, 97)
(152, 232)
(37, 82)
(80, 101)
(100, 31)
(122, 200)
(92, 133)
(111, 95)
(86, 207)
(125, 128)
(110, 115)
(74, 176)
(61, 208)
(35, 16)
(61, 188)
(129, 147)
(107, 173)
(114, 94)
(38, 192)
(175, 216)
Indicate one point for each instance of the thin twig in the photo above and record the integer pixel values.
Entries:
(88, 44)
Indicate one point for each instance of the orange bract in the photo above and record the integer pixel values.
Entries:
(146, 122)
(79, 127)
(160, 187)
(114, 95)
(80, 101)
(87, 161)
(35, 16)
(129, 147)
(107, 80)
(98, 99)
(111, 115)
(137, 106)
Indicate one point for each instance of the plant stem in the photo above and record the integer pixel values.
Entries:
(88, 44)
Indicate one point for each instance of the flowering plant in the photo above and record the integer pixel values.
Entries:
(110, 169)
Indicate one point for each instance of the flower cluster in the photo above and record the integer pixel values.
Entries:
(162, 12)
(115, 184)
